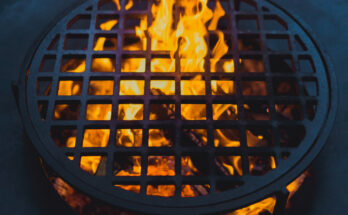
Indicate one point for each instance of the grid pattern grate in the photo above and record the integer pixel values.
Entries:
(277, 88)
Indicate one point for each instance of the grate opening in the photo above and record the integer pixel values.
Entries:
(105, 42)
(299, 44)
(103, 63)
(229, 165)
(70, 87)
(227, 185)
(43, 86)
(54, 44)
(129, 137)
(282, 64)
(291, 136)
(79, 22)
(132, 42)
(136, 5)
(73, 63)
(125, 165)
(194, 137)
(225, 112)
(93, 164)
(98, 111)
(106, 22)
(76, 42)
(311, 109)
(247, 23)
(163, 190)
(260, 137)
(223, 87)
(193, 87)
(256, 110)
(158, 62)
(64, 136)
(254, 88)
(66, 110)
(193, 190)
(162, 87)
(260, 165)
(278, 42)
(193, 112)
(245, 5)
(130, 187)
(274, 23)
(108, 5)
(132, 87)
(310, 86)
(137, 65)
(226, 137)
(289, 111)
(132, 21)
(95, 137)
(249, 42)
(306, 64)
(286, 87)
(161, 137)
(252, 64)
(43, 106)
(101, 87)
(130, 111)
(161, 166)
(48, 63)
(194, 165)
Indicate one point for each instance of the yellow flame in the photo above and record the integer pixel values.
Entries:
(183, 35)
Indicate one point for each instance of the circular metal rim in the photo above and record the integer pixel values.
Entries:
(269, 189)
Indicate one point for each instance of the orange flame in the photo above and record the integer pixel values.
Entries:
(184, 37)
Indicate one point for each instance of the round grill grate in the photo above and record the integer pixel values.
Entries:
(222, 148)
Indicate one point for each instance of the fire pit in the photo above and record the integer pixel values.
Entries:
(168, 107)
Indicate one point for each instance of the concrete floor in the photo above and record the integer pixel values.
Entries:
(22, 188)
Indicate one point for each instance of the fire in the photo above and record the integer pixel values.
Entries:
(295, 185)
(255, 209)
(179, 27)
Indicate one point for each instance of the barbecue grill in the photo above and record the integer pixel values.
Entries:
(294, 75)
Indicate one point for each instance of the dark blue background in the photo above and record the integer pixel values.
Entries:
(23, 189)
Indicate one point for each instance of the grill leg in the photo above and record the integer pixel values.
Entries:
(282, 198)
